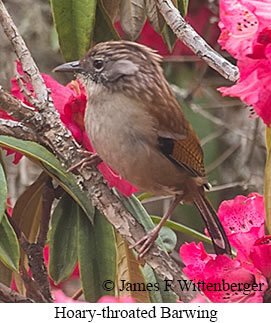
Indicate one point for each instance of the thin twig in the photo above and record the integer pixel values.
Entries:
(227, 186)
(181, 59)
(253, 144)
(219, 122)
(28, 64)
(224, 156)
(213, 135)
(197, 84)
(195, 42)
(77, 294)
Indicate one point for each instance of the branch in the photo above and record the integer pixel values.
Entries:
(31, 286)
(54, 135)
(193, 40)
(38, 287)
(7, 295)
(16, 129)
(14, 107)
(23, 54)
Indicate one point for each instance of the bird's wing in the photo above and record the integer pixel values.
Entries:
(187, 153)
(178, 141)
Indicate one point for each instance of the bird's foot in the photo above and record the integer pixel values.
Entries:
(91, 159)
(147, 241)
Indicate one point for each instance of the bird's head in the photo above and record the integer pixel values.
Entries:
(116, 65)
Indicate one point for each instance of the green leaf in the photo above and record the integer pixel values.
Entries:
(63, 239)
(154, 16)
(74, 21)
(141, 197)
(96, 255)
(9, 246)
(132, 17)
(183, 7)
(5, 275)
(53, 167)
(3, 192)
(69, 184)
(162, 294)
(183, 228)
(267, 181)
(138, 211)
(168, 238)
(112, 7)
(104, 28)
(169, 37)
(128, 269)
(27, 211)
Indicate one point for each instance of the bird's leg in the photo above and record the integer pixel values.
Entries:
(152, 235)
(91, 159)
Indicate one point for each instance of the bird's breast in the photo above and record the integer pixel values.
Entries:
(117, 127)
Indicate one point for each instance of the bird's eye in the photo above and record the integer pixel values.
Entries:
(98, 64)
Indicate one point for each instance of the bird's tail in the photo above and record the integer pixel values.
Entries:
(213, 224)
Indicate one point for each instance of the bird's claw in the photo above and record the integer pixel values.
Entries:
(147, 241)
(91, 159)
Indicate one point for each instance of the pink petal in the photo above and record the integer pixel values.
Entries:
(199, 299)
(60, 297)
(260, 254)
(243, 219)
(242, 213)
(195, 258)
(112, 299)
(246, 34)
(238, 25)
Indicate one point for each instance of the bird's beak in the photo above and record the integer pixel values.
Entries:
(69, 67)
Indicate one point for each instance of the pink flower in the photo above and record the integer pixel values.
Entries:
(195, 258)
(246, 34)
(199, 299)
(70, 101)
(260, 254)
(221, 279)
(112, 299)
(243, 278)
(243, 219)
(60, 297)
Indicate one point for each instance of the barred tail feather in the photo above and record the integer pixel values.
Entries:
(213, 224)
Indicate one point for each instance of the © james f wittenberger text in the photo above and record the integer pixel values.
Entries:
(187, 285)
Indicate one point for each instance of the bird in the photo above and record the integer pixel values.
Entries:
(138, 128)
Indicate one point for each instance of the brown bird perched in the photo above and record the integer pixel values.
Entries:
(137, 127)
